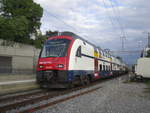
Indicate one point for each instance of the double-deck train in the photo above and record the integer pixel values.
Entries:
(67, 60)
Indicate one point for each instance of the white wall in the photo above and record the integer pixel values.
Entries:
(24, 57)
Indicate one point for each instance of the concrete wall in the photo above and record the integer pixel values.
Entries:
(24, 57)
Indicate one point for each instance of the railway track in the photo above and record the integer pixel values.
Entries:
(16, 102)
(27, 94)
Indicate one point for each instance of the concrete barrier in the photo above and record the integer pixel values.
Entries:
(17, 86)
(22, 58)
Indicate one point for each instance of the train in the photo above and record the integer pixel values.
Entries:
(67, 60)
(142, 68)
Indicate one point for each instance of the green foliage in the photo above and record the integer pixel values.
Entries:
(148, 54)
(27, 8)
(51, 33)
(42, 38)
(40, 41)
(14, 29)
(19, 19)
(118, 57)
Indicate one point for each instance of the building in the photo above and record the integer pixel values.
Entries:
(18, 58)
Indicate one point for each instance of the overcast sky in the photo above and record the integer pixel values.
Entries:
(101, 22)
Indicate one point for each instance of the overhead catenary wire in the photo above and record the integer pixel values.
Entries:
(109, 17)
(118, 18)
(54, 16)
(59, 19)
(127, 51)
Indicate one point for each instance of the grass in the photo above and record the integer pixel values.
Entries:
(147, 82)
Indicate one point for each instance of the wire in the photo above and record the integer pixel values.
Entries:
(64, 22)
(109, 17)
(52, 15)
(117, 18)
(127, 51)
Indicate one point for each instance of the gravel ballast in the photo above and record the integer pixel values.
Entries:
(115, 96)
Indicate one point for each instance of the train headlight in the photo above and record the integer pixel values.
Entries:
(95, 74)
(60, 66)
(41, 66)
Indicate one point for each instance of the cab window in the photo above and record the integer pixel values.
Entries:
(78, 53)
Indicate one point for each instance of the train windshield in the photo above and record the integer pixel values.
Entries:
(55, 48)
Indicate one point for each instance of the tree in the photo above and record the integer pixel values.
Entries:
(19, 19)
(39, 41)
(51, 33)
(14, 29)
(118, 57)
(148, 53)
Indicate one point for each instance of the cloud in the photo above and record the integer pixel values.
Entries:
(99, 21)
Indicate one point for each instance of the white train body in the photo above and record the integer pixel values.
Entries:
(68, 57)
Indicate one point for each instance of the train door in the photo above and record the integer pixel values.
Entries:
(96, 60)
(96, 65)
(96, 74)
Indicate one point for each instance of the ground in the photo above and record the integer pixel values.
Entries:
(9, 77)
(115, 96)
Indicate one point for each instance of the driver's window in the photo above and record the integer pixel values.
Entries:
(78, 53)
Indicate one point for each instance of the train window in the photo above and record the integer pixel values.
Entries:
(104, 67)
(84, 43)
(101, 53)
(78, 53)
(55, 48)
(100, 66)
(104, 54)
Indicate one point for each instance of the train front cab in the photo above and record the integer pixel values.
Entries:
(52, 67)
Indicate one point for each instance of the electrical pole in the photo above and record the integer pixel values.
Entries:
(122, 40)
(148, 39)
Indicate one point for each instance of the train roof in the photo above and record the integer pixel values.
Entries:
(76, 37)
(66, 33)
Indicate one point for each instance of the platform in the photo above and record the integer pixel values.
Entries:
(17, 83)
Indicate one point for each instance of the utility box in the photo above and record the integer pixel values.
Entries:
(143, 67)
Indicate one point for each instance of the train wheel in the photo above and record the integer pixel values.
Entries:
(84, 80)
(87, 81)
(71, 85)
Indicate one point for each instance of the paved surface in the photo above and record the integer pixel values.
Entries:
(10, 77)
(115, 96)
(17, 82)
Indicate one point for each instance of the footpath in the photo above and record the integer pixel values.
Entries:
(17, 83)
